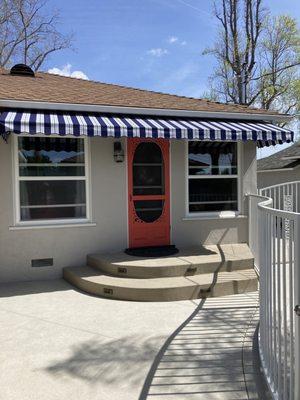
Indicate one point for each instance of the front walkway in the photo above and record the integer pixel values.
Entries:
(58, 343)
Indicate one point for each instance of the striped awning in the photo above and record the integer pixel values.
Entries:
(86, 124)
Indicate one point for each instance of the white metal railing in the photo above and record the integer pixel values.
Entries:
(285, 196)
(274, 238)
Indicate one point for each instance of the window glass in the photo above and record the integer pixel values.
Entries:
(41, 170)
(148, 170)
(150, 210)
(52, 178)
(37, 193)
(212, 176)
(212, 194)
(212, 158)
(51, 156)
(148, 153)
(39, 150)
(52, 213)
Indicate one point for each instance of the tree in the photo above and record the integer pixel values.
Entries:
(278, 81)
(28, 34)
(257, 57)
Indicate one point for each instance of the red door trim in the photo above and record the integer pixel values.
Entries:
(140, 233)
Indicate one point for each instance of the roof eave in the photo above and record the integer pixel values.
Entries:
(40, 105)
(275, 170)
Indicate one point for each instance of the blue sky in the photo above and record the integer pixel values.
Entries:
(151, 44)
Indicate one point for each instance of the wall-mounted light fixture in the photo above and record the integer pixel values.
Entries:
(118, 152)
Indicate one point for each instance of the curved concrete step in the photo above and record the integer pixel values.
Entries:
(190, 261)
(161, 289)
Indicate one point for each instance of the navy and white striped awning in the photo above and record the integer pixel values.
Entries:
(86, 124)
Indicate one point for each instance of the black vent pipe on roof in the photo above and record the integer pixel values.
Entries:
(21, 70)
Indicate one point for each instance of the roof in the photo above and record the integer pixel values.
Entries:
(287, 158)
(50, 88)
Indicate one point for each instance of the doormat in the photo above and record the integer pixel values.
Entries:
(157, 251)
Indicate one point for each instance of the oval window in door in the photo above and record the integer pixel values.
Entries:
(148, 180)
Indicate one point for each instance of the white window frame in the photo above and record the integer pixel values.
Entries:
(17, 179)
(214, 214)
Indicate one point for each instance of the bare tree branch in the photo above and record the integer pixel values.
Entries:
(257, 56)
(276, 71)
(28, 34)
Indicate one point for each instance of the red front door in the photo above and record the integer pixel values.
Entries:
(148, 192)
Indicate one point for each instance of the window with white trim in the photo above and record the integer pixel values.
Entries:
(51, 179)
(212, 176)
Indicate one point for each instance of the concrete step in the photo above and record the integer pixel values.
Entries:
(161, 289)
(188, 262)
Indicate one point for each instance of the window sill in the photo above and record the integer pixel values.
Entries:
(206, 217)
(51, 226)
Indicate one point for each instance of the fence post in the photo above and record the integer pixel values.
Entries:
(297, 302)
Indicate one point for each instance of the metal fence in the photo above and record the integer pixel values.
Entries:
(285, 196)
(274, 238)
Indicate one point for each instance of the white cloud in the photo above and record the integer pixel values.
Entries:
(173, 39)
(158, 52)
(66, 70)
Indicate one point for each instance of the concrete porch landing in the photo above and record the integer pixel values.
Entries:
(206, 271)
(189, 261)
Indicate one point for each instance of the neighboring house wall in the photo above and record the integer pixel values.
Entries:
(69, 246)
(265, 179)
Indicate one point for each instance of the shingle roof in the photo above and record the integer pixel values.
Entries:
(279, 160)
(51, 88)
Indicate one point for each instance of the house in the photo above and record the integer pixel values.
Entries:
(89, 167)
(281, 167)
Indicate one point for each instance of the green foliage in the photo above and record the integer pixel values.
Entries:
(258, 57)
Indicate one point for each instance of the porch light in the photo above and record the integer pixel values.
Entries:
(118, 152)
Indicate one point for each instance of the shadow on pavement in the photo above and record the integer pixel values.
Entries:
(117, 361)
(33, 287)
(209, 356)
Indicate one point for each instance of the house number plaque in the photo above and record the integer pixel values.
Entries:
(287, 206)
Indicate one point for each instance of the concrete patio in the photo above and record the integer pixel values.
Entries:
(58, 343)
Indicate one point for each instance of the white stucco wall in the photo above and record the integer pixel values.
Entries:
(70, 245)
